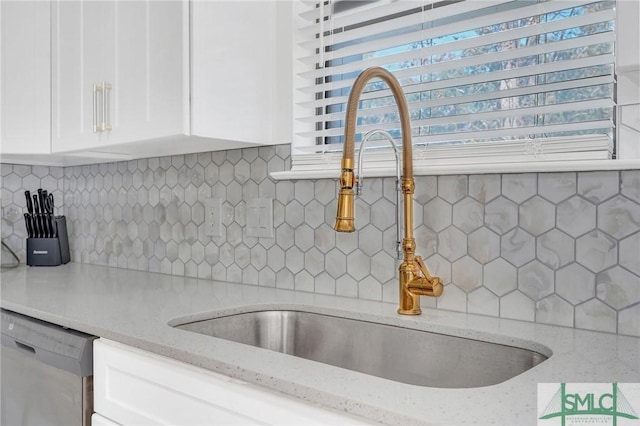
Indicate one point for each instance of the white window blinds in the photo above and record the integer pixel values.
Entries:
(486, 81)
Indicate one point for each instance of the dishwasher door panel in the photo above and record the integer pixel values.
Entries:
(46, 373)
(34, 393)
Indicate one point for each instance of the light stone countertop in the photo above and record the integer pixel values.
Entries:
(135, 308)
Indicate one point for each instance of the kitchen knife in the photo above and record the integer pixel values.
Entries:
(27, 222)
(44, 222)
(28, 217)
(41, 199)
(38, 231)
(43, 211)
(43, 225)
(27, 195)
(48, 204)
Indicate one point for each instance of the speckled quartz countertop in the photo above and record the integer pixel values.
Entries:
(135, 308)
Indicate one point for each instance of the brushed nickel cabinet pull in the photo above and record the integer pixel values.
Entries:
(106, 106)
(95, 108)
(101, 107)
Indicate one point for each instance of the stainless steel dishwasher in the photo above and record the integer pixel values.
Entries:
(46, 373)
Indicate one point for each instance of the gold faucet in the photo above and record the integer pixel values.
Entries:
(415, 279)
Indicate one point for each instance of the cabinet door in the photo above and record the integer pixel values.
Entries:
(147, 92)
(134, 46)
(25, 77)
(83, 50)
(234, 62)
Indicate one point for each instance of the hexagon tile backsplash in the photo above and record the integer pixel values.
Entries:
(558, 248)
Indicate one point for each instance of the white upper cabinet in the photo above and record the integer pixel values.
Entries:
(241, 81)
(86, 81)
(117, 73)
(24, 77)
(150, 73)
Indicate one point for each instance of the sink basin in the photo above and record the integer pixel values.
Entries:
(401, 354)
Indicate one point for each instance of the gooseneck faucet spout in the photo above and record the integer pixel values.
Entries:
(415, 279)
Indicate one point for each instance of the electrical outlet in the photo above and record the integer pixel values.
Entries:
(213, 217)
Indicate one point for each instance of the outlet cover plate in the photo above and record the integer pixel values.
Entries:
(259, 218)
(213, 217)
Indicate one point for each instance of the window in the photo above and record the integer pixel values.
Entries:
(485, 81)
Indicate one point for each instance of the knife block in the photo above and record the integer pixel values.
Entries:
(50, 251)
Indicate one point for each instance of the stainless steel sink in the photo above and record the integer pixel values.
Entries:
(401, 354)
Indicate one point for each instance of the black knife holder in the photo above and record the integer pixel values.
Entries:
(50, 251)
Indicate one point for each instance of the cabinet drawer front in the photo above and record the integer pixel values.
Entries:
(137, 387)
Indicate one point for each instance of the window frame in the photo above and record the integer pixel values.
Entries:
(306, 166)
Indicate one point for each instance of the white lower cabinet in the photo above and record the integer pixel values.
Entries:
(135, 387)
(98, 420)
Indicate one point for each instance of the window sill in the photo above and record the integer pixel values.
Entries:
(469, 169)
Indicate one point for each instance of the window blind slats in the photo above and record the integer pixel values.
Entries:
(310, 34)
(479, 116)
(376, 148)
(513, 73)
(493, 38)
(467, 62)
(374, 11)
(515, 133)
(511, 133)
(438, 13)
(480, 97)
(312, 14)
(461, 63)
(590, 147)
(472, 71)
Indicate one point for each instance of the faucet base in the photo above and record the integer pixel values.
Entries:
(415, 311)
(415, 281)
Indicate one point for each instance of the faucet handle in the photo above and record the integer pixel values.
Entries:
(423, 267)
(434, 282)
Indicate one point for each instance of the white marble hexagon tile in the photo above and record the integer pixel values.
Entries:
(559, 248)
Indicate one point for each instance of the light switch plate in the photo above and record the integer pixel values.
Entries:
(259, 221)
(213, 217)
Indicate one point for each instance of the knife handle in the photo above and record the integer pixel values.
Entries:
(41, 199)
(44, 201)
(37, 228)
(27, 195)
